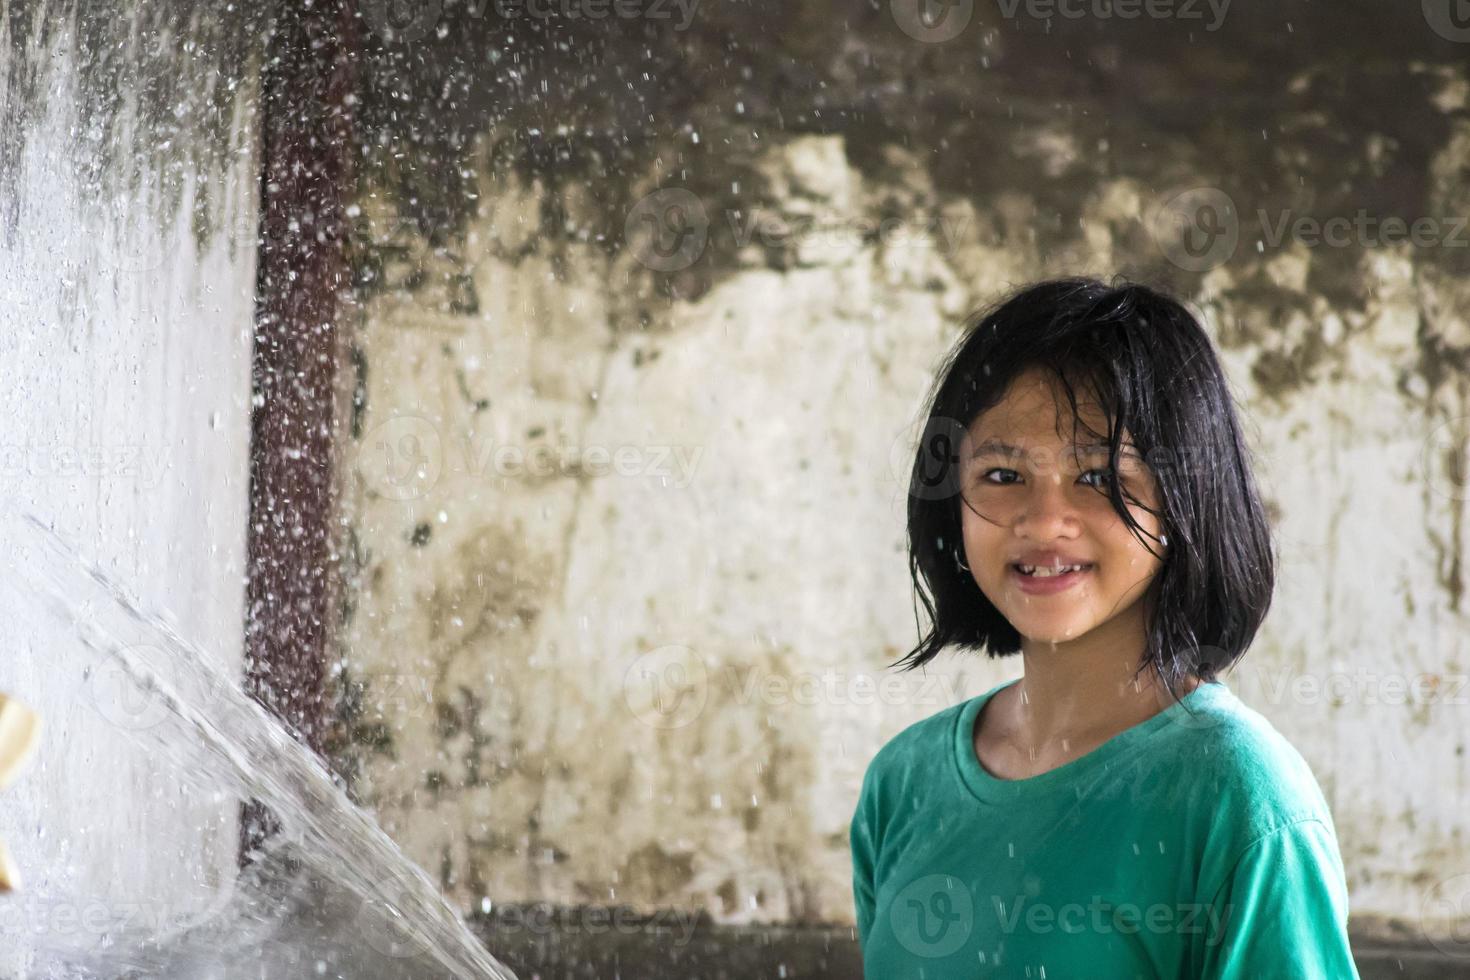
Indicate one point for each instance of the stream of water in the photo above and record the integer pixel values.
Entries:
(329, 894)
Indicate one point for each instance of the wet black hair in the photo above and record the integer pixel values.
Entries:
(1156, 376)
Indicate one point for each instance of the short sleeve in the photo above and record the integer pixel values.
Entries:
(1282, 910)
(863, 844)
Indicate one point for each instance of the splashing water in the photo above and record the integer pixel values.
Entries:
(328, 894)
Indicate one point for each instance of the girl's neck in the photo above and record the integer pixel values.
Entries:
(1087, 689)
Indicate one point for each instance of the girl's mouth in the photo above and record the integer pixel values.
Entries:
(1037, 580)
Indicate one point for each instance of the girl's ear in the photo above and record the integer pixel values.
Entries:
(959, 559)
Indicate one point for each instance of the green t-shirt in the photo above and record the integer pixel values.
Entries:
(1194, 844)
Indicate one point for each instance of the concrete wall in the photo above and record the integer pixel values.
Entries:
(625, 480)
(128, 186)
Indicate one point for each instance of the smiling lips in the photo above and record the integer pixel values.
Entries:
(1049, 578)
(1045, 570)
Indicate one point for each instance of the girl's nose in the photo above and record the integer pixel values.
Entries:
(1047, 510)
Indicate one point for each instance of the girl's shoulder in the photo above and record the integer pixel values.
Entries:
(919, 752)
(917, 742)
(1232, 758)
(920, 757)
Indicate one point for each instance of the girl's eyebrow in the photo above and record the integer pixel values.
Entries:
(996, 446)
(992, 446)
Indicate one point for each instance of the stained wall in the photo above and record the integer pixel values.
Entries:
(636, 382)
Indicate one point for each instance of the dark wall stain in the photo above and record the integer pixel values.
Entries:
(1296, 110)
(183, 79)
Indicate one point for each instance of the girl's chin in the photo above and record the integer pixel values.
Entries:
(1050, 639)
(1059, 629)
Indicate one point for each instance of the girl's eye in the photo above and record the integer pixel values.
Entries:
(1005, 476)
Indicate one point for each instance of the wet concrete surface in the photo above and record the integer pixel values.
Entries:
(568, 944)
(558, 943)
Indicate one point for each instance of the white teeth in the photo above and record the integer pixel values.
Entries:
(1048, 572)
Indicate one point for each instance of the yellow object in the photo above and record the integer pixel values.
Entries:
(9, 873)
(20, 731)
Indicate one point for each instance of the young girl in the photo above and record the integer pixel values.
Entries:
(1083, 496)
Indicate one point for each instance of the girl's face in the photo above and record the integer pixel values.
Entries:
(1034, 497)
